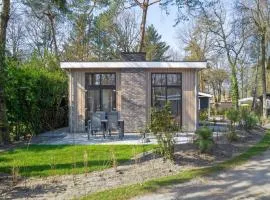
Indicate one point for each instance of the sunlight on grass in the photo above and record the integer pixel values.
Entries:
(127, 192)
(47, 160)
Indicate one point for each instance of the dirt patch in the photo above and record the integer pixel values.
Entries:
(137, 171)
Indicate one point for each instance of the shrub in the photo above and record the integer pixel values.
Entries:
(232, 136)
(164, 127)
(36, 97)
(248, 119)
(204, 139)
(203, 115)
(232, 115)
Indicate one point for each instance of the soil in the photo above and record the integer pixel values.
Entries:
(141, 169)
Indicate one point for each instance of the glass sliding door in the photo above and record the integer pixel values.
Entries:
(108, 100)
(101, 93)
(167, 87)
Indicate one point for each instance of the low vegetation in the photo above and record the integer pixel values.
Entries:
(164, 127)
(248, 119)
(127, 192)
(47, 160)
(203, 115)
(204, 139)
(36, 96)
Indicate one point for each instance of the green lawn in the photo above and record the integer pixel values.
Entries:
(128, 192)
(47, 160)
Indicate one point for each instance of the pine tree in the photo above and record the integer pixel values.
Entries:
(155, 48)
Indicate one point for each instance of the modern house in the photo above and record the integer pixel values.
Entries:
(204, 101)
(132, 88)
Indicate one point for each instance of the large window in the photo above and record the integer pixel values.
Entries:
(168, 88)
(101, 92)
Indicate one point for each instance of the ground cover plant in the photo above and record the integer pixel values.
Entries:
(47, 160)
(130, 191)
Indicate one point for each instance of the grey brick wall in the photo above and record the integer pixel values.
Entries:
(133, 99)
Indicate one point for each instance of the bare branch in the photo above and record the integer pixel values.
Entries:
(154, 2)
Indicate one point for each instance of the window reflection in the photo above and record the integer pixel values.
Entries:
(167, 88)
(158, 79)
(108, 79)
(173, 79)
(101, 93)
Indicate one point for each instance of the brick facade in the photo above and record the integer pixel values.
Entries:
(133, 99)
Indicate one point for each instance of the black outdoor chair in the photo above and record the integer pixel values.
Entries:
(96, 124)
(115, 124)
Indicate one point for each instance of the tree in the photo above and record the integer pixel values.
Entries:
(216, 77)
(144, 5)
(199, 45)
(4, 17)
(126, 31)
(77, 47)
(231, 38)
(15, 35)
(257, 13)
(104, 42)
(50, 9)
(155, 49)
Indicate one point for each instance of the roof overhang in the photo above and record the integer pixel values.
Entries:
(117, 65)
(202, 94)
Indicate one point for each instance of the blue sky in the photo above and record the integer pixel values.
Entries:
(165, 24)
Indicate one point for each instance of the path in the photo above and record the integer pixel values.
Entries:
(249, 181)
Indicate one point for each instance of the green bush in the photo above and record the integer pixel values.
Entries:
(36, 97)
(248, 119)
(204, 139)
(203, 115)
(234, 116)
(232, 136)
(163, 126)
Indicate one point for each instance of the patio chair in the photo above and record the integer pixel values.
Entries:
(95, 124)
(115, 124)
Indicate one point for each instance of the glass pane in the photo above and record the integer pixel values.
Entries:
(88, 79)
(93, 101)
(158, 79)
(108, 100)
(158, 96)
(174, 79)
(96, 79)
(108, 79)
(174, 97)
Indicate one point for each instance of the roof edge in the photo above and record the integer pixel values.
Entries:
(133, 64)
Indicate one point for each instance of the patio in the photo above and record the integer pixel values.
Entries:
(63, 137)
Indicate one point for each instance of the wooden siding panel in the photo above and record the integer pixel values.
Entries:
(77, 101)
(189, 100)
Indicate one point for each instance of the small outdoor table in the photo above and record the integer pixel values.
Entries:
(121, 128)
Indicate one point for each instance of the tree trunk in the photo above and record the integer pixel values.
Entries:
(4, 17)
(143, 23)
(51, 18)
(263, 63)
(234, 85)
(219, 85)
(242, 81)
(254, 95)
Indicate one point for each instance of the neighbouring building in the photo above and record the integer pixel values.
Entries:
(132, 88)
(204, 102)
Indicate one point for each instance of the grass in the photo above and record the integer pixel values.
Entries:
(47, 160)
(127, 192)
